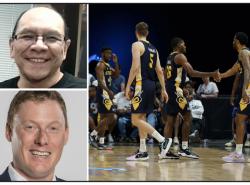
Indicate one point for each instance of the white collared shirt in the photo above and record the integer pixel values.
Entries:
(16, 176)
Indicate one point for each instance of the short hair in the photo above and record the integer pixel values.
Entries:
(142, 28)
(66, 29)
(242, 37)
(105, 49)
(35, 96)
(189, 83)
(175, 42)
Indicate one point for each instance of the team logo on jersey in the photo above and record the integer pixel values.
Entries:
(243, 104)
(180, 99)
(108, 103)
(136, 101)
(106, 100)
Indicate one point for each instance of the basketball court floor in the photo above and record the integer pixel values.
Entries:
(111, 165)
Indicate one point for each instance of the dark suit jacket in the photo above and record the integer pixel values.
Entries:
(5, 177)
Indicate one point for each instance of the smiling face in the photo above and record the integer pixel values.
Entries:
(37, 137)
(39, 61)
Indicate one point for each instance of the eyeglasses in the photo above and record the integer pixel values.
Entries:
(31, 38)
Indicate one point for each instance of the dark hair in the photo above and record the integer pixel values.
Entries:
(66, 29)
(175, 42)
(142, 28)
(241, 37)
(189, 83)
(105, 49)
(35, 96)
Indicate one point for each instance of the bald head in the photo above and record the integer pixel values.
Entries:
(41, 18)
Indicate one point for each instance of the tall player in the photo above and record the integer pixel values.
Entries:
(104, 97)
(242, 66)
(176, 69)
(145, 62)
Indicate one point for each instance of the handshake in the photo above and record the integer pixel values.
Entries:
(217, 76)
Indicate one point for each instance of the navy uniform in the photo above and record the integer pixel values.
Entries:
(243, 108)
(142, 101)
(176, 77)
(105, 104)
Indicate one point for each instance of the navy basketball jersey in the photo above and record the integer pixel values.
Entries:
(148, 63)
(107, 75)
(175, 74)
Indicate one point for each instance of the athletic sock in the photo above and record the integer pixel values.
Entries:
(239, 148)
(101, 140)
(248, 136)
(142, 145)
(94, 133)
(158, 136)
(184, 145)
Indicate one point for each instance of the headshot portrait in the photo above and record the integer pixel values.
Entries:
(46, 46)
(42, 136)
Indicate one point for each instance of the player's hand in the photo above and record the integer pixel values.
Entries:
(164, 96)
(114, 58)
(127, 92)
(245, 97)
(217, 75)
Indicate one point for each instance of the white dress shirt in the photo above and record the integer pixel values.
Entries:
(16, 176)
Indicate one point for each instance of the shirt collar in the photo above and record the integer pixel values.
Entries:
(16, 176)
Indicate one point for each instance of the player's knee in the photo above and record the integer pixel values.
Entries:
(134, 120)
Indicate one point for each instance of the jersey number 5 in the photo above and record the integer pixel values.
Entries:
(151, 60)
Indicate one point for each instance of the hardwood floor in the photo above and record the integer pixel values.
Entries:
(111, 165)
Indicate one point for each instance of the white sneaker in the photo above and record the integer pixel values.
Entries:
(230, 143)
(247, 143)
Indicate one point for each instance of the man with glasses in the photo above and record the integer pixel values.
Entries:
(39, 45)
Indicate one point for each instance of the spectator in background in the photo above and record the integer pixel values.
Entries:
(93, 106)
(118, 81)
(91, 79)
(124, 117)
(208, 89)
(196, 109)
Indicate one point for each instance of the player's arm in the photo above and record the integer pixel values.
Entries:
(135, 67)
(234, 88)
(100, 77)
(182, 60)
(232, 71)
(244, 57)
(160, 75)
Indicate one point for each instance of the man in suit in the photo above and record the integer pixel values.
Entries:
(37, 129)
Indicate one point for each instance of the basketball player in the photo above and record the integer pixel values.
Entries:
(104, 97)
(145, 62)
(176, 69)
(242, 66)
